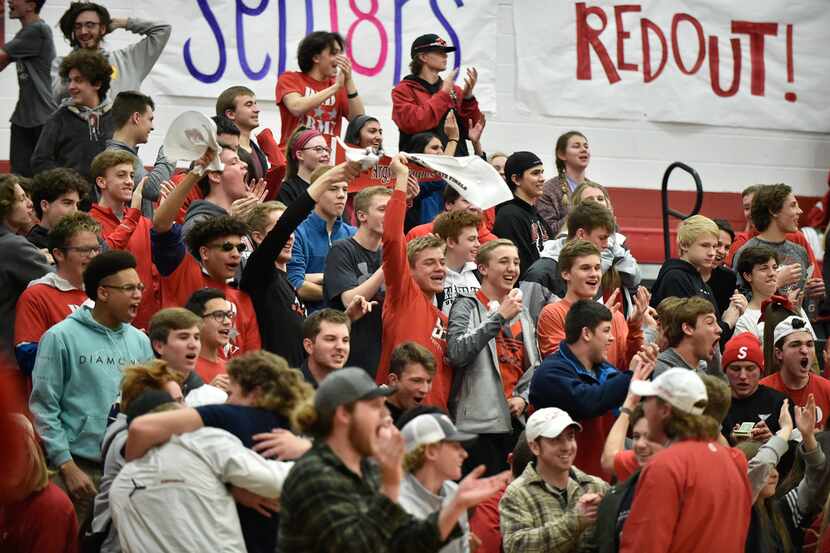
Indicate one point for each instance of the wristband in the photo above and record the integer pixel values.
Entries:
(198, 170)
(352, 95)
(626, 410)
(452, 140)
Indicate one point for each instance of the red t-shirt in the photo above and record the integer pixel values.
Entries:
(44, 521)
(209, 370)
(816, 385)
(189, 277)
(693, 497)
(42, 306)
(325, 118)
(408, 314)
(132, 233)
(625, 464)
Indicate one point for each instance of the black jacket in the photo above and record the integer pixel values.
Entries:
(679, 278)
(723, 284)
(279, 312)
(519, 221)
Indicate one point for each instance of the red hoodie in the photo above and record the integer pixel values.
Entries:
(132, 233)
(415, 110)
(408, 314)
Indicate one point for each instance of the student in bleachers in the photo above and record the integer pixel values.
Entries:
(77, 374)
(84, 26)
(321, 93)
(133, 115)
(423, 101)
(313, 239)
(327, 341)
(428, 201)
(692, 334)
(32, 50)
(453, 201)
(174, 335)
(411, 370)
(720, 277)
(238, 104)
(414, 274)
(353, 268)
(305, 151)
(22, 262)
(491, 344)
(518, 220)
(459, 230)
(572, 155)
(53, 297)
(697, 239)
(217, 316)
(79, 129)
(55, 193)
(759, 270)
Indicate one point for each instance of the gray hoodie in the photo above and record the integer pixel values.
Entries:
(162, 170)
(114, 440)
(131, 65)
(669, 359)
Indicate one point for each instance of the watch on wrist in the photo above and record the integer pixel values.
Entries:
(627, 411)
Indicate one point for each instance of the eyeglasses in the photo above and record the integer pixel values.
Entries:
(219, 316)
(227, 247)
(86, 25)
(127, 288)
(319, 149)
(84, 250)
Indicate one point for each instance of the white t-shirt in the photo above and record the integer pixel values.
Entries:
(748, 322)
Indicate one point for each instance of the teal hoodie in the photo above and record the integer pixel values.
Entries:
(76, 378)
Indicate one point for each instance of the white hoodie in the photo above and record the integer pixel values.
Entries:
(463, 283)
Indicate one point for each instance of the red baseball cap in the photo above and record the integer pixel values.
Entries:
(743, 347)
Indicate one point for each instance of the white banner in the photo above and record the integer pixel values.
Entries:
(749, 64)
(219, 43)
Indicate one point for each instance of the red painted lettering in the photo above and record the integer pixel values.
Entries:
(714, 67)
(649, 25)
(756, 32)
(622, 35)
(675, 46)
(586, 38)
(371, 17)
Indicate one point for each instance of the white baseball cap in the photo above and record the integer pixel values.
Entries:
(548, 423)
(791, 325)
(431, 428)
(681, 388)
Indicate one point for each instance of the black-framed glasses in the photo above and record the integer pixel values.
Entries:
(229, 246)
(127, 288)
(83, 250)
(319, 149)
(220, 316)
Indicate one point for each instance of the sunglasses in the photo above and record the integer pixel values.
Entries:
(228, 246)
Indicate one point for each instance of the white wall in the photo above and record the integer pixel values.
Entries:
(625, 153)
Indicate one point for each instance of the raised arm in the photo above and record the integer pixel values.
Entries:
(148, 431)
(142, 55)
(167, 211)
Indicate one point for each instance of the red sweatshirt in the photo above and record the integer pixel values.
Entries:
(132, 233)
(44, 521)
(693, 497)
(484, 234)
(415, 110)
(40, 307)
(408, 314)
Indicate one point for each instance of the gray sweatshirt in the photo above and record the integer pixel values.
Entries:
(669, 359)
(162, 170)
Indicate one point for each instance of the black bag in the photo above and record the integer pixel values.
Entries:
(613, 512)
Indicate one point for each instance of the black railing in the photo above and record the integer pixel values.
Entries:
(667, 211)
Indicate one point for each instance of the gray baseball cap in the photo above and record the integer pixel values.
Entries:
(345, 386)
(431, 428)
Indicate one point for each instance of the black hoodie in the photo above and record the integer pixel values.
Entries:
(679, 278)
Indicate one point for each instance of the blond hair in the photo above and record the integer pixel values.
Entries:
(420, 244)
(692, 229)
(415, 459)
(279, 388)
(485, 252)
(153, 375)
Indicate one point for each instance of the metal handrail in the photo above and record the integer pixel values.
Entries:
(667, 211)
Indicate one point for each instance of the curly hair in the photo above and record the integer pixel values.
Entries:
(67, 20)
(92, 65)
(8, 195)
(420, 244)
(278, 387)
(415, 459)
(153, 375)
(52, 184)
(314, 44)
(69, 226)
(449, 224)
(209, 230)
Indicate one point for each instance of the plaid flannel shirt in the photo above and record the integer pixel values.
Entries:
(535, 519)
(327, 507)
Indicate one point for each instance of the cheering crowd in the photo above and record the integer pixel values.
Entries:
(256, 353)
